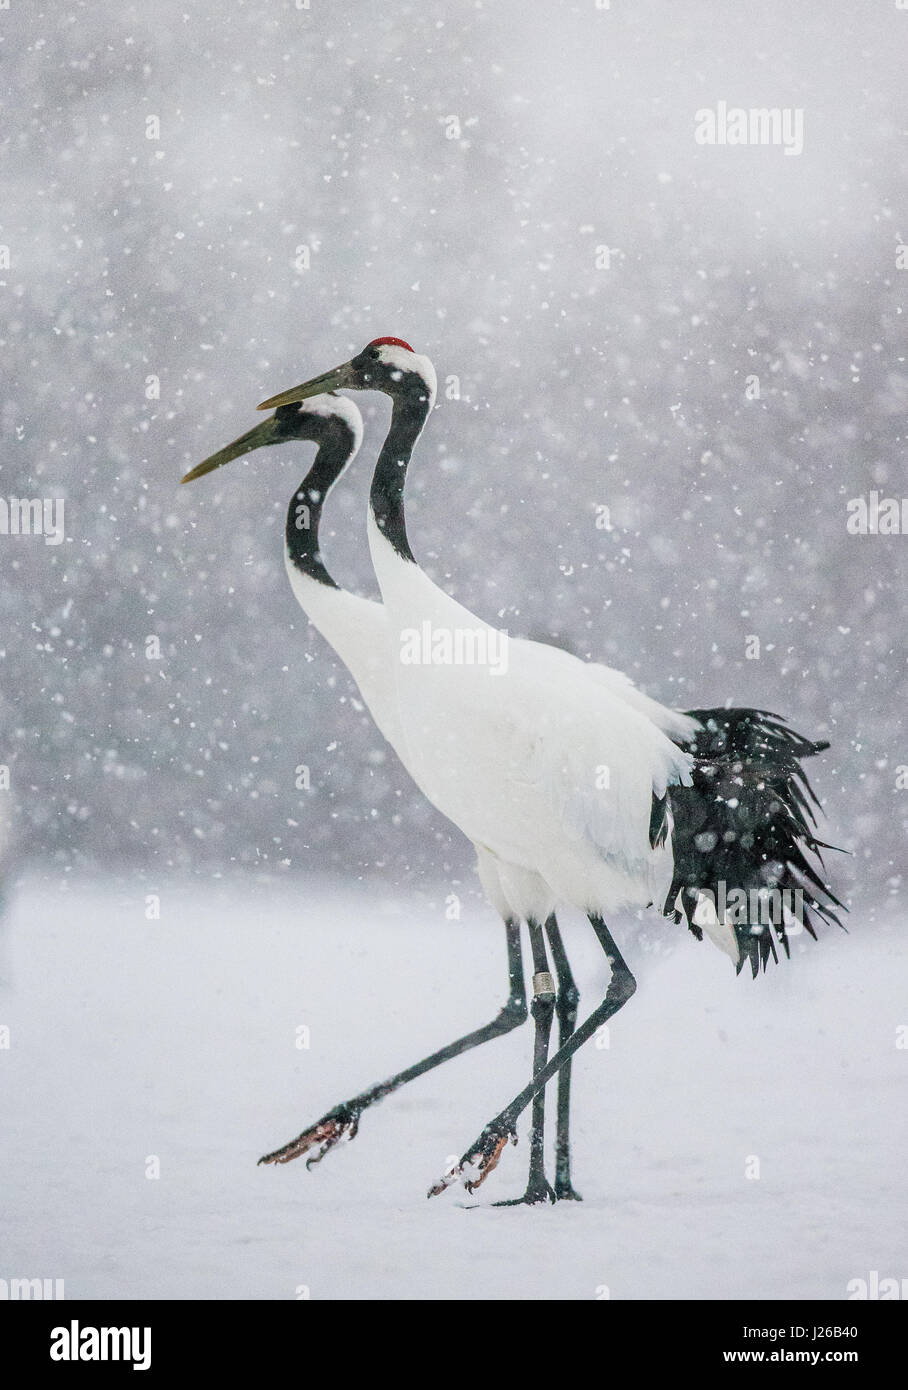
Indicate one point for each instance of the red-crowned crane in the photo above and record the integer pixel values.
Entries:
(545, 765)
(358, 631)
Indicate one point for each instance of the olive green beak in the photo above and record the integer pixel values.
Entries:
(265, 433)
(334, 380)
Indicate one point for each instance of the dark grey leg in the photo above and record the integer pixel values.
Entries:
(487, 1149)
(343, 1120)
(566, 1011)
(542, 1009)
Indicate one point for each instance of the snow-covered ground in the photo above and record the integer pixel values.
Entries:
(133, 1039)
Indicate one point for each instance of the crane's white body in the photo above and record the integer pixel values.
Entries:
(360, 633)
(546, 765)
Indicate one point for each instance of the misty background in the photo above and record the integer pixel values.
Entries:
(454, 171)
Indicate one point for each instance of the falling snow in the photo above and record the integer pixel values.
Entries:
(665, 369)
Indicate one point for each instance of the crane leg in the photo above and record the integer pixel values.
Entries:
(566, 1013)
(343, 1121)
(542, 1009)
(483, 1155)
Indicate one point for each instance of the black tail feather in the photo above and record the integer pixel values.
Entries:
(747, 824)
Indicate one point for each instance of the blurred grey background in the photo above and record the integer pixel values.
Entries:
(177, 258)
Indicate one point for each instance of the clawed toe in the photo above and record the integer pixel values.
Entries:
(483, 1157)
(339, 1125)
(539, 1193)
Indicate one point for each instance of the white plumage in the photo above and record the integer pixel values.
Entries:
(544, 765)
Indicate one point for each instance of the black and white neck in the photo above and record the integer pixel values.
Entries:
(413, 397)
(338, 442)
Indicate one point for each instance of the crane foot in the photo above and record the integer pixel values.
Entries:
(482, 1157)
(539, 1193)
(340, 1125)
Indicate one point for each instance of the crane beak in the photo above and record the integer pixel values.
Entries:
(334, 380)
(264, 433)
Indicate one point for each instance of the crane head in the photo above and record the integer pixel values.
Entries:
(320, 418)
(385, 364)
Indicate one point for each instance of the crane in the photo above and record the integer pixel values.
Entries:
(358, 631)
(554, 773)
